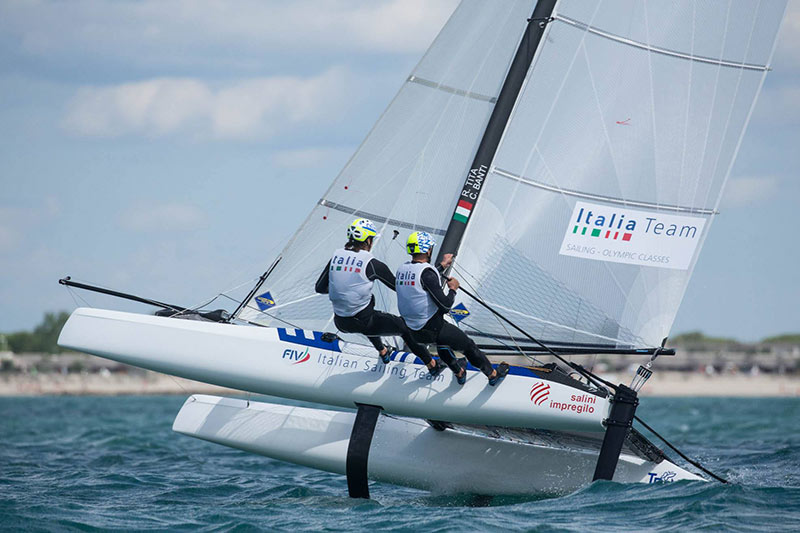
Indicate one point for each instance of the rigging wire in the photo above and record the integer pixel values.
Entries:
(508, 333)
(591, 376)
(531, 358)
(248, 306)
(75, 296)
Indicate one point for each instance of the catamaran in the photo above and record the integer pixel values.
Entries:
(572, 156)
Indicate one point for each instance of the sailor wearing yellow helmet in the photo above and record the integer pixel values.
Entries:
(423, 304)
(348, 279)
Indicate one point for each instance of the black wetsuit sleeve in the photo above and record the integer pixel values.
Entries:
(322, 281)
(378, 270)
(430, 281)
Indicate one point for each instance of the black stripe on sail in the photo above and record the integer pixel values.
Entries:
(451, 90)
(497, 124)
(380, 219)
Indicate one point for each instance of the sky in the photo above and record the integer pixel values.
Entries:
(169, 148)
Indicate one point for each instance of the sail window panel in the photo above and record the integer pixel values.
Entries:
(473, 51)
(712, 29)
(511, 258)
(510, 255)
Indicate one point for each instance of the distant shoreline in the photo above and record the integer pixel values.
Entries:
(662, 384)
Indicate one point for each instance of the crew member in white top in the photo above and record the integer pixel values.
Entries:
(423, 304)
(348, 279)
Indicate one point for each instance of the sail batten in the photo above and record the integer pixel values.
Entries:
(610, 199)
(658, 50)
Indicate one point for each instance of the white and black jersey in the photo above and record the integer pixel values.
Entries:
(420, 295)
(348, 279)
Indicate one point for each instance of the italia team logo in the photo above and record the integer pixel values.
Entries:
(459, 313)
(265, 301)
(660, 238)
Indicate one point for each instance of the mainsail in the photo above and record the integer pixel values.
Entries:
(590, 216)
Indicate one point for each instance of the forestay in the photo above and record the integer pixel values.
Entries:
(612, 165)
(406, 173)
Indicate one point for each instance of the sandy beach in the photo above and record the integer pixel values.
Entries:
(120, 383)
(101, 384)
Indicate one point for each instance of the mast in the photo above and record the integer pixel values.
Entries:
(497, 124)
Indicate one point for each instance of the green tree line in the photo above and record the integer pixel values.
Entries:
(42, 339)
(698, 337)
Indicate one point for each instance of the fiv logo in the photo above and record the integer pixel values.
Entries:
(298, 356)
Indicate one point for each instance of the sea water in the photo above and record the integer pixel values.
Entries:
(87, 463)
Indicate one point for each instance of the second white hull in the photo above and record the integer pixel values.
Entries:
(410, 452)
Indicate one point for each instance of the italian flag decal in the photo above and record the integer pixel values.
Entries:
(463, 210)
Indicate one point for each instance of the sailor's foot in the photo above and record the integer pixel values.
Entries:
(386, 354)
(461, 377)
(498, 374)
(436, 367)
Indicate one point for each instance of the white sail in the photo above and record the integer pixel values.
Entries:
(612, 165)
(406, 173)
(608, 175)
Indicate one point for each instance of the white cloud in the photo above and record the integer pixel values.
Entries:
(748, 191)
(788, 47)
(163, 218)
(208, 32)
(246, 109)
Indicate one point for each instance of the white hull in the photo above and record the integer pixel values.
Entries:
(297, 364)
(409, 452)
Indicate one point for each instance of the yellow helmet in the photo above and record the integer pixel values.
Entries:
(420, 242)
(361, 229)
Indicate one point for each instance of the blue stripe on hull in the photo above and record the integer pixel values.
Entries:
(314, 340)
(301, 337)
